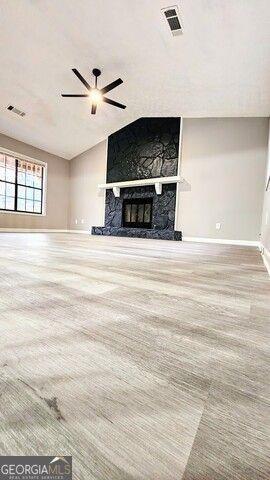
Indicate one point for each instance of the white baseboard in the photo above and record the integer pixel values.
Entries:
(32, 230)
(86, 232)
(224, 241)
(266, 257)
(41, 230)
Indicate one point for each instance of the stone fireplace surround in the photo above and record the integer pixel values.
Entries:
(147, 148)
(163, 212)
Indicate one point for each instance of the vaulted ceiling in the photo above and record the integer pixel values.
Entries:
(218, 67)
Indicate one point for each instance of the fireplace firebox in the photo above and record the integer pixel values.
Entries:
(137, 213)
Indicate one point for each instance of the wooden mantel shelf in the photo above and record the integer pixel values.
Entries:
(157, 182)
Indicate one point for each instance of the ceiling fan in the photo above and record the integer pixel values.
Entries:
(95, 94)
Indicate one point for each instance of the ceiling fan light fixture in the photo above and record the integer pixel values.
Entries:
(95, 95)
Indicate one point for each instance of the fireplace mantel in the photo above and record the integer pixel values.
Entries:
(157, 182)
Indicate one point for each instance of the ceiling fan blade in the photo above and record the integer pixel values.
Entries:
(80, 77)
(94, 108)
(112, 85)
(112, 102)
(74, 95)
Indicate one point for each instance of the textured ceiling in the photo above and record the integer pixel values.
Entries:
(218, 67)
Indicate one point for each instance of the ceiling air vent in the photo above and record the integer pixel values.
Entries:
(171, 16)
(16, 110)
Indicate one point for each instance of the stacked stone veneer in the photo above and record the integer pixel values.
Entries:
(147, 148)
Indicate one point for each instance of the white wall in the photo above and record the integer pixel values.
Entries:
(86, 172)
(265, 229)
(57, 190)
(224, 161)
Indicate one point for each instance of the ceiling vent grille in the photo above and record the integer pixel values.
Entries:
(16, 110)
(171, 15)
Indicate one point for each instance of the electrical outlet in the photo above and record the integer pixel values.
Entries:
(218, 225)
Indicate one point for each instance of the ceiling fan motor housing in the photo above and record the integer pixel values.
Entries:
(96, 72)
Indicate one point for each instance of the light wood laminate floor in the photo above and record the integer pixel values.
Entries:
(143, 359)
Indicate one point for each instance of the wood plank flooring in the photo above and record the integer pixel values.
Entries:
(143, 359)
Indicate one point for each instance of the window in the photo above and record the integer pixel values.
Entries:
(21, 185)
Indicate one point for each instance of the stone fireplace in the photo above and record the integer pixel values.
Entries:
(143, 151)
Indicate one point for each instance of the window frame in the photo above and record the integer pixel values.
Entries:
(43, 189)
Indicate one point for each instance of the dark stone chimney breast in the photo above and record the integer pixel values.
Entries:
(147, 148)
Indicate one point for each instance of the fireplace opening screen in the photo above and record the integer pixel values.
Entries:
(137, 213)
